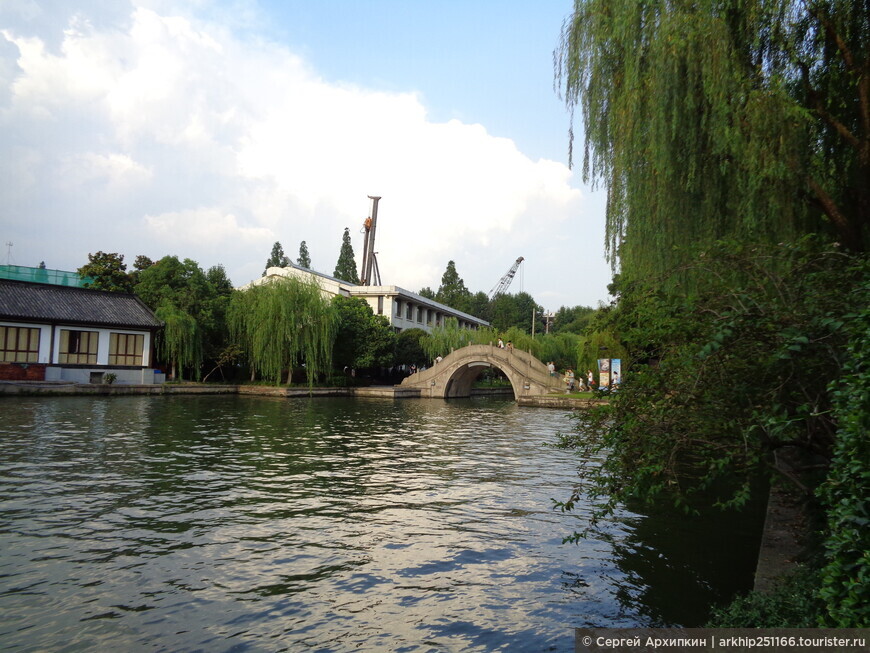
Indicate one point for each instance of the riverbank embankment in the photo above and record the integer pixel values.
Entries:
(65, 388)
(62, 388)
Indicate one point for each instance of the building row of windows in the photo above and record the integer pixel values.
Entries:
(21, 345)
(425, 315)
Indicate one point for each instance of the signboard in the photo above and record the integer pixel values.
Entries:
(603, 372)
(609, 372)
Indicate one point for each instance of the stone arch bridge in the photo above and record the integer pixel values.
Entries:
(456, 373)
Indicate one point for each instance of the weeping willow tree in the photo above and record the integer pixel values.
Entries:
(595, 345)
(445, 338)
(283, 324)
(720, 119)
(180, 341)
(724, 125)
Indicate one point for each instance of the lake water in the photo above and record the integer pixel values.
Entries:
(258, 524)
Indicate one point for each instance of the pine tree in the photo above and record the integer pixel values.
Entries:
(277, 259)
(452, 290)
(304, 260)
(345, 268)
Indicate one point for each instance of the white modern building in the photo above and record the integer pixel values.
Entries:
(403, 308)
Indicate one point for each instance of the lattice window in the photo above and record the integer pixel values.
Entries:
(19, 344)
(78, 347)
(126, 348)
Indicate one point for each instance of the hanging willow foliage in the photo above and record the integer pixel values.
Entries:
(720, 119)
(179, 341)
(448, 337)
(282, 324)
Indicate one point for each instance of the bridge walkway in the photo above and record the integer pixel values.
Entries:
(455, 374)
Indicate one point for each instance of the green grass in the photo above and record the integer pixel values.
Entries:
(576, 395)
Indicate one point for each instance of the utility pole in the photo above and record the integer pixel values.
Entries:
(534, 312)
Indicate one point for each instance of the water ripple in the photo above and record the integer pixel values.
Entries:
(251, 524)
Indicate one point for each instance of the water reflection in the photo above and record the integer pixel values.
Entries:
(239, 523)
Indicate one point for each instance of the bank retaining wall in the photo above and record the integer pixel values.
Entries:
(65, 388)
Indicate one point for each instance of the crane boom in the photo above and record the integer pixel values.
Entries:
(505, 281)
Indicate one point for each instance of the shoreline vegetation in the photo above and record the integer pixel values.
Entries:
(734, 152)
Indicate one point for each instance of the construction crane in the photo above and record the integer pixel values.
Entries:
(369, 273)
(505, 281)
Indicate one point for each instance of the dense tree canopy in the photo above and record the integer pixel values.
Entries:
(572, 319)
(719, 119)
(281, 325)
(107, 272)
(141, 262)
(516, 310)
(409, 350)
(181, 292)
(180, 340)
(363, 340)
(734, 142)
(505, 310)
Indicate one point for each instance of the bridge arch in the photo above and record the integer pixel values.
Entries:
(454, 376)
(462, 379)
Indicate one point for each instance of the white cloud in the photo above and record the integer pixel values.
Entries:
(118, 172)
(203, 226)
(222, 145)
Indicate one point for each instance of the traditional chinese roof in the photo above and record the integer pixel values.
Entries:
(35, 302)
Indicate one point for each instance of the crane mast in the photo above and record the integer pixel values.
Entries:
(505, 281)
(369, 271)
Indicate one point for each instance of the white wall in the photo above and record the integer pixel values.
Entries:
(44, 338)
(103, 340)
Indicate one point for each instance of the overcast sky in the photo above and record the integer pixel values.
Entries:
(210, 129)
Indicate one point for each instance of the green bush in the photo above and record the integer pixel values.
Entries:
(846, 575)
(793, 603)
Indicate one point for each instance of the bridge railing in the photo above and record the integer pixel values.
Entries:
(521, 362)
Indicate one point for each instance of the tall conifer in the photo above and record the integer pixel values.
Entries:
(277, 259)
(345, 268)
(304, 260)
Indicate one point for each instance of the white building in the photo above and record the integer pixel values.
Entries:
(52, 333)
(403, 308)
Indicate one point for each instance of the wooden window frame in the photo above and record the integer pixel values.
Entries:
(78, 347)
(19, 344)
(126, 349)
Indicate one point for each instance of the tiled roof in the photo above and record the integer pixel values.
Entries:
(45, 303)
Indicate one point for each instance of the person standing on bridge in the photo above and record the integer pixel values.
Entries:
(551, 367)
(500, 343)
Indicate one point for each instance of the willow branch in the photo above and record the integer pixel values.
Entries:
(819, 107)
(834, 35)
(829, 206)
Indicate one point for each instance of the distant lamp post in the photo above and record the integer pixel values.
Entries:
(548, 317)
